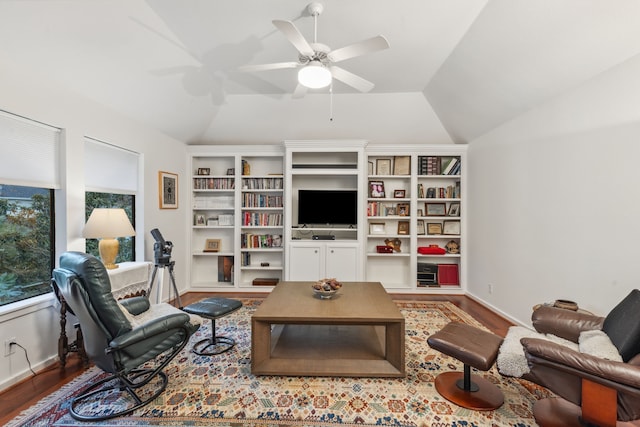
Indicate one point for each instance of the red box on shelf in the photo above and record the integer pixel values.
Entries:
(448, 274)
(384, 249)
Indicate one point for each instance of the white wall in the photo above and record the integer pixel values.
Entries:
(37, 328)
(554, 200)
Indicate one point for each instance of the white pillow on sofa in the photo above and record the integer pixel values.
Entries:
(597, 343)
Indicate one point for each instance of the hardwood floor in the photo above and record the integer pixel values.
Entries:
(29, 391)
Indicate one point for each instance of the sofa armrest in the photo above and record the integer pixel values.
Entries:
(154, 327)
(136, 305)
(616, 375)
(564, 323)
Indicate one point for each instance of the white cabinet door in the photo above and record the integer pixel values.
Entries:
(306, 262)
(341, 262)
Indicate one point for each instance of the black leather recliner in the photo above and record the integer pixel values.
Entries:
(116, 340)
(593, 391)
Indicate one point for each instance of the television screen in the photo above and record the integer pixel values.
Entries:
(327, 207)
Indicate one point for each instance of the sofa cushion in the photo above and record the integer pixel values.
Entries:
(622, 325)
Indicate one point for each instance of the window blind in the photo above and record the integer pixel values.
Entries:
(109, 169)
(30, 152)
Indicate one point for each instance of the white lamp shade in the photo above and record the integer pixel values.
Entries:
(106, 222)
(314, 75)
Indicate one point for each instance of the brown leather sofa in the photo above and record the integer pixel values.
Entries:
(592, 390)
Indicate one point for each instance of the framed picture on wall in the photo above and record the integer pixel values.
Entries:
(168, 190)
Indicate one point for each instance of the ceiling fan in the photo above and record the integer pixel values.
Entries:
(316, 60)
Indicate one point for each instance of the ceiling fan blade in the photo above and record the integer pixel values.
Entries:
(351, 79)
(357, 49)
(294, 36)
(300, 92)
(267, 67)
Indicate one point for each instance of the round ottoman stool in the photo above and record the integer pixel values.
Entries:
(212, 309)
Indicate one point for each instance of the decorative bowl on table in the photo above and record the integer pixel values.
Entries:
(326, 288)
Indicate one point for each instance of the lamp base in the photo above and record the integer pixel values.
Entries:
(108, 248)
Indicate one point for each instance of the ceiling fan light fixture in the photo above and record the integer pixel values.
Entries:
(314, 75)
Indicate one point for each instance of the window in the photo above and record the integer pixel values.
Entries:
(115, 186)
(112, 200)
(26, 236)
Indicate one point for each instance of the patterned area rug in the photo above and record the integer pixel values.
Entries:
(220, 390)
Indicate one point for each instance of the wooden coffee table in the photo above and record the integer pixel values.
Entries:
(357, 333)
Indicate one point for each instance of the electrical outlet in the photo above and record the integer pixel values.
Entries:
(9, 346)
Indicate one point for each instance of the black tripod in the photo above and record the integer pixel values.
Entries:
(164, 265)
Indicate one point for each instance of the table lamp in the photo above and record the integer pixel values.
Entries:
(107, 225)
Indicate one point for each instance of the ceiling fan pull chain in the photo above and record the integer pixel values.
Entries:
(331, 102)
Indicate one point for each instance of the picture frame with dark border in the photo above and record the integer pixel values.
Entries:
(167, 190)
(454, 209)
(399, 194)
(376, 189)
(204, 171)
(435, 209)
(403, 227)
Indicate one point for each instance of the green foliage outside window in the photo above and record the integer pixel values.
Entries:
(26, 242)
(109, 200)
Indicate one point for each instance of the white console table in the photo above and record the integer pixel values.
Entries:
(130, 278)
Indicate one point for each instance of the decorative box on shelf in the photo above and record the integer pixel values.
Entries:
(225, 219)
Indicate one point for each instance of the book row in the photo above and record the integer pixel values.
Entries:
(251, 200)
(214, 183)
(438, 165)
(262, 219)
(262, 183)
(448, 192)
(249, 241)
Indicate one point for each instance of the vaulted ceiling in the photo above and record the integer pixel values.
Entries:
(455, 70)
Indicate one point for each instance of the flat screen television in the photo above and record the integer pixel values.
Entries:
(327, 207)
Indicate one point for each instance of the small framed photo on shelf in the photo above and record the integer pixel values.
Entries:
(383, 167)
(420, 212)
(402, 209)
(454, 209)
(376, 189)
(402, 165)
(199, 220)
(212, 245)
(204, 171)
(231, 171)
(451, 227)
(421, 227)
(389, 210)
(435, 209)
(434, 228)
(403, 227)
(376, 228)
(370, 170)
(399, 194)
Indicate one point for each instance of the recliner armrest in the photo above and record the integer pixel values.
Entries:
(136, 305)
(564, 323)
(149, 329)
(617, 375)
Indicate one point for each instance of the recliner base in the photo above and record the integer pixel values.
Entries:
(557, 412)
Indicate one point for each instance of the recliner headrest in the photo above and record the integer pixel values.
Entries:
(622, 326)
(98, 287)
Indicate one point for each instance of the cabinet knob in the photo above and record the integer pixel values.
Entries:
(315, 251)
(331, 250)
